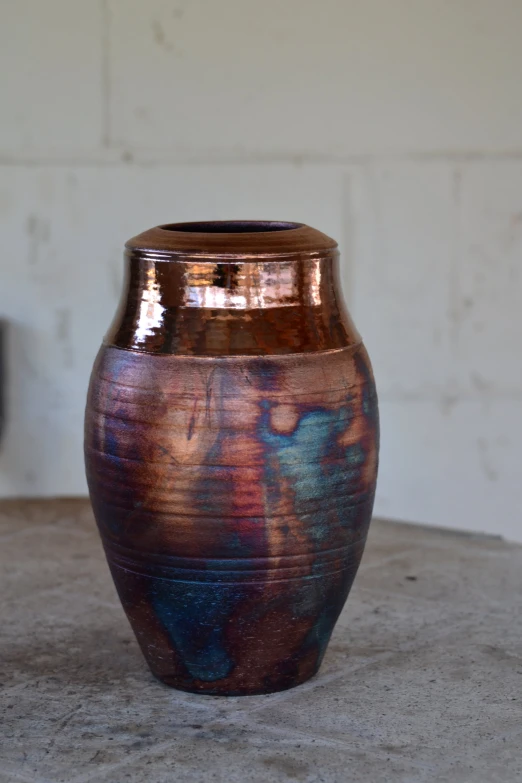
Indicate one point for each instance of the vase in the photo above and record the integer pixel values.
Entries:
(231, 447)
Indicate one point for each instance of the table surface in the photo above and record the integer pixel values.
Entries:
(421, 682)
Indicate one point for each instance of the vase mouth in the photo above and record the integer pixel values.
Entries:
(246, 240)
(231, 226)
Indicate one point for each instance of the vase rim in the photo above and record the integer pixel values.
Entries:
(232, 237)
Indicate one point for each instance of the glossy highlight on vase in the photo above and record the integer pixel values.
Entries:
(231, 448)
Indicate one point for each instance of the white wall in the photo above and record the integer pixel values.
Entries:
(393, 125)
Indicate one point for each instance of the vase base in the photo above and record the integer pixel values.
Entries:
(206, 689)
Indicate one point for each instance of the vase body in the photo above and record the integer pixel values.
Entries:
(231, 443)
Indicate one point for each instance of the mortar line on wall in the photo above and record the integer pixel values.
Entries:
(454, 293)
(106, 74)
(452, 398)
(163, 158)
(348, 254)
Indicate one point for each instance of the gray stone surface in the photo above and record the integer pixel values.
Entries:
(422, 680)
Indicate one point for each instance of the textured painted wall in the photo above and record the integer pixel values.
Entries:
(393, 125)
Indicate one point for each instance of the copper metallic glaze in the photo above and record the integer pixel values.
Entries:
(216, 294)
(231, 445)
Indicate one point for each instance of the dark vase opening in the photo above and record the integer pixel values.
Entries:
(232, 226)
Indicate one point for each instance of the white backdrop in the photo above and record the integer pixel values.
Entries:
(392, 125)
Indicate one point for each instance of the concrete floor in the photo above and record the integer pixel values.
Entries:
(422, 680)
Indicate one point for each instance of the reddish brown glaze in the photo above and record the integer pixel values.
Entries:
(232, 468)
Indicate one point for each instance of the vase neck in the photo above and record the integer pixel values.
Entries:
(216, 304)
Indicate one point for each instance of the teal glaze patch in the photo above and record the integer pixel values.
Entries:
(322, 473)
(195, 618)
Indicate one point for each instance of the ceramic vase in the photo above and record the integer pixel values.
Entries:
(231, 447)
